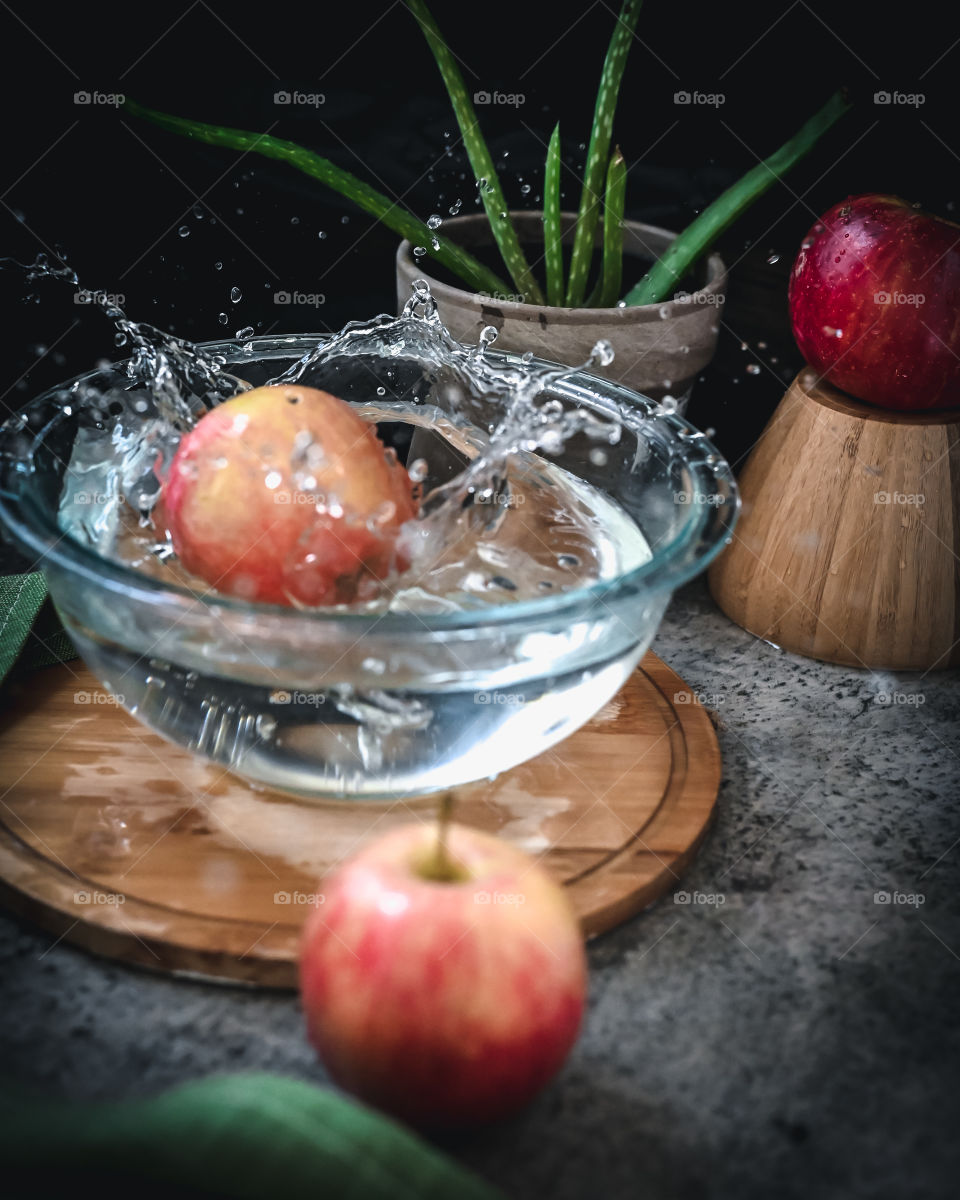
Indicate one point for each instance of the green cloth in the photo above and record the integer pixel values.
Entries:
(29, 627)
(251, 1136)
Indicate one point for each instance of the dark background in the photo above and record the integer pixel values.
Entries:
(113, 193)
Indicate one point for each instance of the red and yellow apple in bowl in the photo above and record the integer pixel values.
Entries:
(285, 495)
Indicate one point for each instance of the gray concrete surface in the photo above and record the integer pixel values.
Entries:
(797, 1039)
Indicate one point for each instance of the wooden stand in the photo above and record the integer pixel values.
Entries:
(848, 546)
(115, 840)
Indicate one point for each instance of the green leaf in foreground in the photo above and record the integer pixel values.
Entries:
(477, 277)
(251, 1136)
(552, 231)
(598, 151)
(481, 161)
(684, 251)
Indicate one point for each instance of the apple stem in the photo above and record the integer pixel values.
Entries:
(444, 867)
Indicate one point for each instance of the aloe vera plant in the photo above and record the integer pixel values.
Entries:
(603, 193)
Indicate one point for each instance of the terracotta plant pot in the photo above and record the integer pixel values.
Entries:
(660, 348)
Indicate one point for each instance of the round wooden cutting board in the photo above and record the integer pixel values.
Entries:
(115, 840)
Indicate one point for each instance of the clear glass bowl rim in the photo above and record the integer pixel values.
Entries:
(700, 539)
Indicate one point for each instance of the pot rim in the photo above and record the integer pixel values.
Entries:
(636, 314)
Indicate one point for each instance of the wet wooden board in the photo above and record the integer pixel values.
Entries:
(117, 841)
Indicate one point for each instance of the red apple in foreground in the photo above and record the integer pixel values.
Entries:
(875, 303)
(447, 1002)
(285, 494)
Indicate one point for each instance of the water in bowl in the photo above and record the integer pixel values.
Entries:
(501, 525)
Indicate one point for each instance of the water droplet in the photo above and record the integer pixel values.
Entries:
(434, 221)
(419, 251)
(664, 311)
(294, 220)
(567, 560)
(218, 266)
(598, 457)
(602, 354)
(418, 470)
(322, 234)
(344, 220)
(525, 190)
(184, 231)
(487, 335)
(381, 391)
(668, 405)
(753, 369)
(244, 333)
(222, 318)
(772, 258)
(435, 243)
(235, 295)
(455, 208)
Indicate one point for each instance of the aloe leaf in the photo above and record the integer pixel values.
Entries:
(684, 251)
(481, 161)
(608, 289)
(552, 232)
(598, 151)
(473, 273)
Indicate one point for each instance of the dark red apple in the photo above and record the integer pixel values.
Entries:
(445, 999)
(875, 303)
(286, 495)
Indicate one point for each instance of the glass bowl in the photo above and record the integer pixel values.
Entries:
(373, 706)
